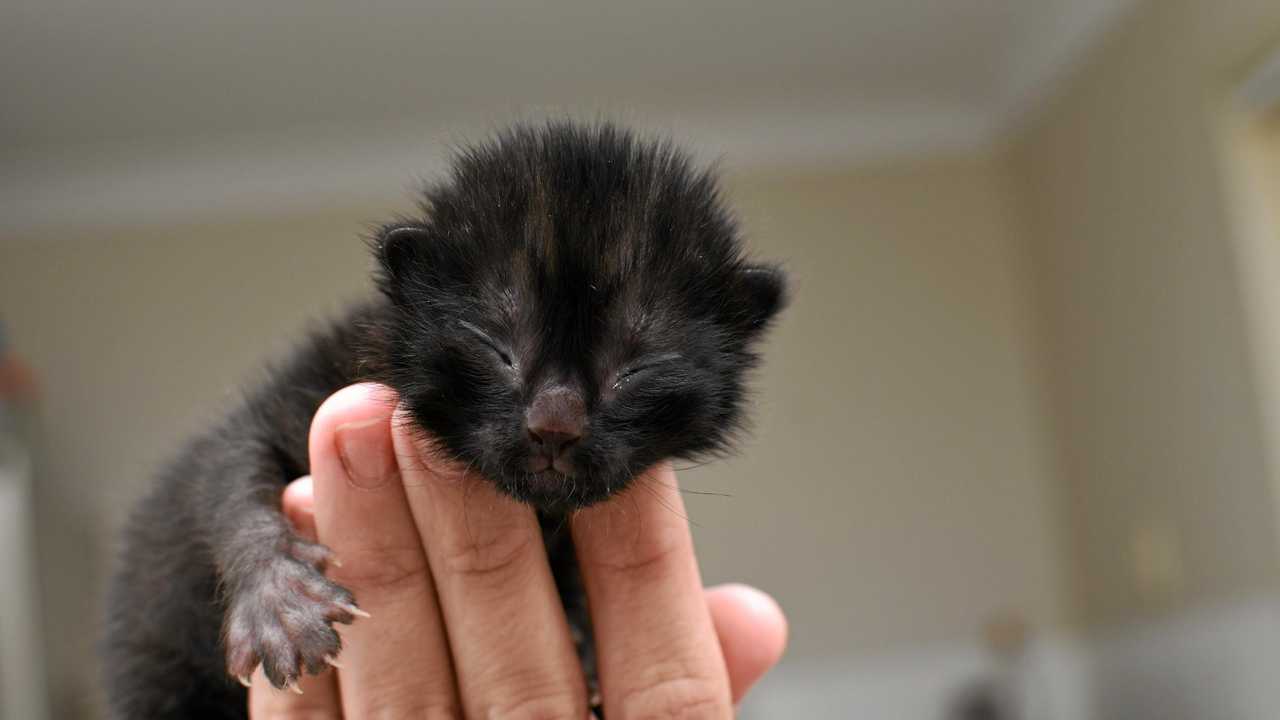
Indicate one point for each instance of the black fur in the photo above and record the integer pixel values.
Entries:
(564, 255)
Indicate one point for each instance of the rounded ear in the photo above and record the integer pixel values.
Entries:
(762, 292)
(398, 247)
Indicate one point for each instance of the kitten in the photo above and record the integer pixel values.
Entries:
(572, 306)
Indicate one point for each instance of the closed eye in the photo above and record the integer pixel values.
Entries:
(631, 372)
(494, 346)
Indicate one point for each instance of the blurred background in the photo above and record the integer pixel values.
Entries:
(1017, 451)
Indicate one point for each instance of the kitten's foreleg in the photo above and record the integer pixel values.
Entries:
(280, 608)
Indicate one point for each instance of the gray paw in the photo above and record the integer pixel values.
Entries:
(281, 616)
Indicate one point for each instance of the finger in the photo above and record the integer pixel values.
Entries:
(507, 630)
(749, 623)
(317, 699)
(657, 647)
(298, 503)
(396, 663)
(752, 632)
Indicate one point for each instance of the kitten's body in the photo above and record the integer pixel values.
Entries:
(572, 307)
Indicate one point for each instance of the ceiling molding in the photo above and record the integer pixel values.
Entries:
(307, 168)
(250, 176)
(1260, 92)
(1053, 45)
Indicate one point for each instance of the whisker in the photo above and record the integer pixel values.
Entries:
(410, 461)
(663, 502)
(710, 493)
(694, 466)
(689, 491)
(560, 523)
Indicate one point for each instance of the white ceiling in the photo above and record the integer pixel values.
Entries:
(107, 105)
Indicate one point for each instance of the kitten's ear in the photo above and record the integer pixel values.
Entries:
(398, 247)
(761, 293)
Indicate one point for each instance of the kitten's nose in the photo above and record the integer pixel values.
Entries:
(551, 443)
(557, 421)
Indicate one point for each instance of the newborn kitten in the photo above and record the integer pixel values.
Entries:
(572, 306)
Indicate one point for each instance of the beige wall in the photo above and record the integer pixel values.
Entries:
(1154, 402)
(138, 335)
(896, 492)
(1250, 144)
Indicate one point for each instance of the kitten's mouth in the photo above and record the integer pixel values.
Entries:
(547, 489)
(562, 466)
(549, 480)
(555, 491)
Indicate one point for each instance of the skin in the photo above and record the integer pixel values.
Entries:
(466, 621)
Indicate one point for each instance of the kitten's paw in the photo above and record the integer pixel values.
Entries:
(314, 554)
(282, 616)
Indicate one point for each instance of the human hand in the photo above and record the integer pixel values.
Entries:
(466, 620)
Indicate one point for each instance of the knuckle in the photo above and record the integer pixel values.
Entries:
(303, 713)
(546, 706)
(384, 569)
(424, 709)
(670, 696)
(436, 712)
(497, 555)
(646, 554)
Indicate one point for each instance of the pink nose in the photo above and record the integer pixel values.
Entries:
(556, 420)
(552, 444)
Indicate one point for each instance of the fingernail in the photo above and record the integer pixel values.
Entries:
(366, 452)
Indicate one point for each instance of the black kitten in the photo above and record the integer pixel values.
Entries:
(572, 307)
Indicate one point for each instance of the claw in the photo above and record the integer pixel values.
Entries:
(292, 686)
(334, 561)
(352, 609)
(244, 680)
(333, 661)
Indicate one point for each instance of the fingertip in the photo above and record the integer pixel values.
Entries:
(299, 505)
(759, 607)
(335, 433)
(753, 632)
(300, 493)
(352, 404)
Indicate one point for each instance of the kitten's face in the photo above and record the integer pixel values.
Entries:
(574, 310)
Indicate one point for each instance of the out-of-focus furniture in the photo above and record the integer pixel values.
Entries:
(23, 693)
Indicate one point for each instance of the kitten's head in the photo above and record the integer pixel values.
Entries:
(573, 307)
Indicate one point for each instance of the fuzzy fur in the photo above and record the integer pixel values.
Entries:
(563, 255)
